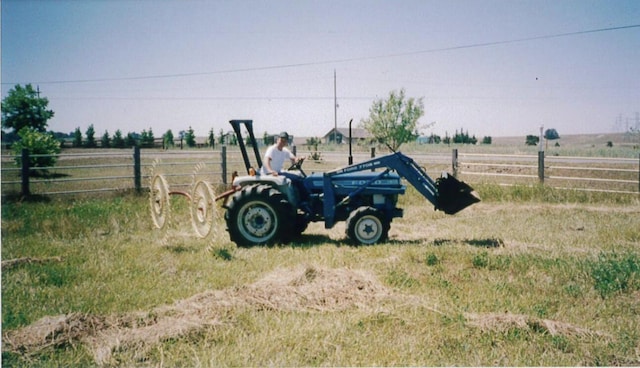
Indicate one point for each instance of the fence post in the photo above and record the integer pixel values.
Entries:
(454, 162)
(25, 173)
(223, 160)
(137, 173)
(541, 166)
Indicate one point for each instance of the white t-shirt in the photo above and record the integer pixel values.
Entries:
(277, 158)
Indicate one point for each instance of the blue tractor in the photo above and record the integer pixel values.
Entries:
(276, 209)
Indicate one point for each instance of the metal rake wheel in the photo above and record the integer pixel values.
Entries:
(203, 208)
(159, 201)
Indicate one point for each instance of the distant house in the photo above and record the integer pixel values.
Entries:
(341, 136)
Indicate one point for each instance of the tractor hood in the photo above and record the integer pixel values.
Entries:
(388, 183)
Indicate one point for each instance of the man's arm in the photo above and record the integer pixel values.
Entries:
(269, 169)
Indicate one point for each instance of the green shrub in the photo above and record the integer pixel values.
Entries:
(615, 273)
(480, 260)
(43, 149)
(432, 259)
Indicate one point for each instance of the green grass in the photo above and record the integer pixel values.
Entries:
(546, 254)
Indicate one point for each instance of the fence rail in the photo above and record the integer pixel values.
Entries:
(107, 171)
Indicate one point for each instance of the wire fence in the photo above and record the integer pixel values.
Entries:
(109, 170)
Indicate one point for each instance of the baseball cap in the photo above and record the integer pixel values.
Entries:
(284, 135)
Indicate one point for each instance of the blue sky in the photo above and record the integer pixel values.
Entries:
(485, 66)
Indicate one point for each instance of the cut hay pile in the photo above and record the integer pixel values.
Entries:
(310, 288)
(301, 289)
(502, 322)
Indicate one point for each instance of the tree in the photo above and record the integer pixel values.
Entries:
(551, 134)
(118, 140)
(190, 138)
(167, 139)
(181, 134)
(43, 148)
(532, 140)
(146, 138)
(212, 139)
(77, 138)
(105, 141)
(91, 139)
(486, 140)
(130, 141)
(464, 138)
(394, 121)
(434, 139)
(23, 107)
(312, 144)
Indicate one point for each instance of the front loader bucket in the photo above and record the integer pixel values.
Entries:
(454, 195)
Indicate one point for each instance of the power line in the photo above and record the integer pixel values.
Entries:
(344, 60)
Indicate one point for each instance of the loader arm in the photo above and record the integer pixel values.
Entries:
(446, 194)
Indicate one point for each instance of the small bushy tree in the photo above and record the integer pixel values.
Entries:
(394, 121)
(23, 107)
(532, 140)
(312, 144)
(167, 139)
(44, 146)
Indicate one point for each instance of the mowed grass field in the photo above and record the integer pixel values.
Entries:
(529, 276)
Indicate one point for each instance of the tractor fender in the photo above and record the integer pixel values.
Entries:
(275, 181)
(280, 182)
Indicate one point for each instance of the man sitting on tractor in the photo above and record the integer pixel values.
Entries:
(276, 155)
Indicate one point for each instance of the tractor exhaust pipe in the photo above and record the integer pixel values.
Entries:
(454, 195)
(350, 140)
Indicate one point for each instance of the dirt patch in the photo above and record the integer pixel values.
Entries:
(502, 322)
(307, 288)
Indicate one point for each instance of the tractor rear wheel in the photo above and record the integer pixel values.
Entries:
(259, 214)
(367, 225)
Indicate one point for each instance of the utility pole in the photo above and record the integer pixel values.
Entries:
(335, 110)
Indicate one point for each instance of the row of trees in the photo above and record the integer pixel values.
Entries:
(458, 138)
(146, 139)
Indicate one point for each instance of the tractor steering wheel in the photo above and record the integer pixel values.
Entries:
(298, 166)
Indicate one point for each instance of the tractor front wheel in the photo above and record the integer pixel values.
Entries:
(259, 214)
(367, 225)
